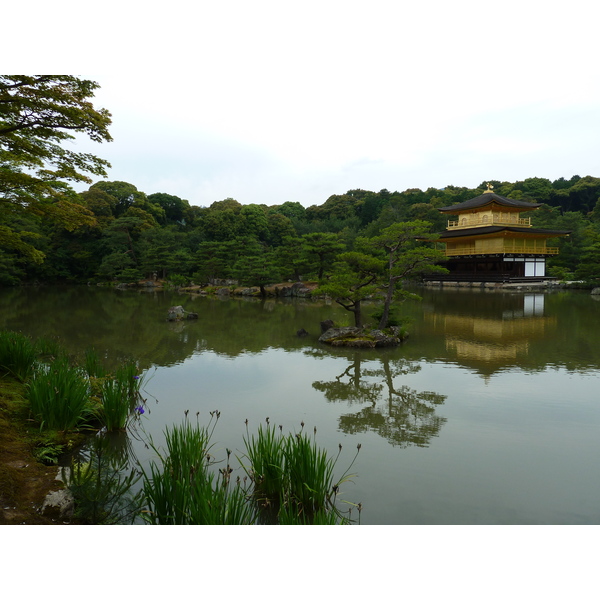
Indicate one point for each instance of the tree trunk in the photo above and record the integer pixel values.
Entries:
(357, 314)
(383, 323)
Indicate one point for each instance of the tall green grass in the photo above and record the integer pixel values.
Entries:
(115, 405)
(308, 475)
(92, 364)
(184, 489)
(266, 454)
(293, 478)
(18, 355)
(119, 393)
(59, 395)
(289, 480)
(128, 374)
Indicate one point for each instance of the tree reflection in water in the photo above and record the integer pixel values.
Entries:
(403, 416)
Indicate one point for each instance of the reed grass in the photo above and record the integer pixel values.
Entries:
(115, 405)
(293, 478)
(128, 374)
(18, 355)
(267, 460)
(183, 490)
(49, 349)
(308, 475)
(92, 364)
(59, 395)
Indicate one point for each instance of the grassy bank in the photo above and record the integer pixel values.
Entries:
(50, 404)
(25, 480)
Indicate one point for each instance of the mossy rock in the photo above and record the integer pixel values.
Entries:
(358, 337)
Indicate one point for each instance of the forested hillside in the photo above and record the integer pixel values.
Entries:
(115, 232)
(130, 235)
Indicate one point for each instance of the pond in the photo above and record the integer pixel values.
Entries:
(488, 414)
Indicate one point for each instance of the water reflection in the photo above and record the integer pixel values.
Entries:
(401, 415)
(492, 340)
(517, 433)
(102, 476)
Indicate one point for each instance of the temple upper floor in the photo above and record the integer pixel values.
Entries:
(489, 216)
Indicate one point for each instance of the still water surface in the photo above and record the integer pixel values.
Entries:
(488, 414)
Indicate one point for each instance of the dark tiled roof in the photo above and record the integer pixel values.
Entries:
(488, 198)
(497, 228)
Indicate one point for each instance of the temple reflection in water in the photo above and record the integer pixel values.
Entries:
(497, 339)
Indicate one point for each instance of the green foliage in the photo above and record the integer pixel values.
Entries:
(102, 487)
(265, 451)
(48, 453)
(37, 115)
(257, 267)
(182, 490)
(319, 249)
(59, 396)
(18, 355)
(290, 480)
(115, 404)
(355, 278)
(395, 319)
(405, 258)
(589, 267)
(293, 478)
(173, 207)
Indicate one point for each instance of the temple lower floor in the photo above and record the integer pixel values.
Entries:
(496, 267)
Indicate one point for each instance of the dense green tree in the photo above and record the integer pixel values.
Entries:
(256, 267)
(406, 258)
(291, 210)
(589, 265)
(127, 199)
(320, 250)
(38, 114)
(101, 204)
(221, 225)
(253, 221)
(163, 252)
(211, 261)
(355, 278)
(279, 227)
(174, 208)
(120, 243)
(291, 259)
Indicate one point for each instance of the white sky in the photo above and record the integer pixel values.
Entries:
(274, 101)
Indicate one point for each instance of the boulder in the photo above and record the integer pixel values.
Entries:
(325, 325)
(58, 505)
(178, 313)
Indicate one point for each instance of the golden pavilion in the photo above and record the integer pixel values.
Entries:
(488, 239)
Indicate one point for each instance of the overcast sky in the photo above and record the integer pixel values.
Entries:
(275, 101)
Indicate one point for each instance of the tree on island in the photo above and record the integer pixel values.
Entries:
(405, 259)
(355, 278)
(382, 263)
(37, 114)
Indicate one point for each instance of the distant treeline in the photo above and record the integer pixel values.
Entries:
(123, 234)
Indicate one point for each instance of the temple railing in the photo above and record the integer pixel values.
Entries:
(478, 221)
(506, 249)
